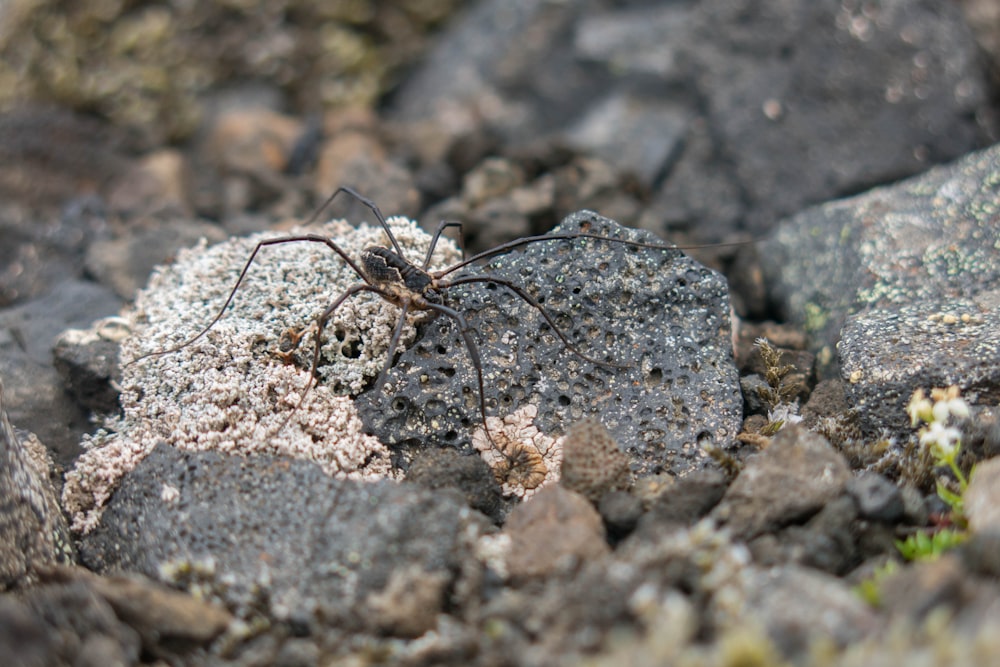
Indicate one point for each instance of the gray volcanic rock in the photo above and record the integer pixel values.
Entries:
(278, 536)
(903, 281)
(717, 106)
(655, 311)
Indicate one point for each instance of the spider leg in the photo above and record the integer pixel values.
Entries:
(367, 203)
(531, 301)
(477, 363)
(396, 334)
(443, 225)
(320, 325)
(314, 238)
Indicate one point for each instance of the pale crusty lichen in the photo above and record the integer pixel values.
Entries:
(228, 391)
(523, 459)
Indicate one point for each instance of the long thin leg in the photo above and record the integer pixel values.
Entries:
(531, 301)
(477, 362)
(396, 334)
(443, 225)
(369, 204)
(318, 343)
(315, 238)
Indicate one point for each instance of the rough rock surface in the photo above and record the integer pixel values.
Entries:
(230, 390)
(655, 311)
(716, 105)
(279, 536)
(792, 479)
(555, 530)
(33, 531)
(905, 277)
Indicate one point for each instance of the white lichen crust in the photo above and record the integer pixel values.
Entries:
(230, 390)
(523, 459)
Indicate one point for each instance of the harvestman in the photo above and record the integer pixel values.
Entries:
(411, 287)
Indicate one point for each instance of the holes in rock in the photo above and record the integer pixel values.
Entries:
(351, 349)
(564, 400)
(399, 404)
(655, 377)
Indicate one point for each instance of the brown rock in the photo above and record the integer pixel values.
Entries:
(788, 482)
(554, 530)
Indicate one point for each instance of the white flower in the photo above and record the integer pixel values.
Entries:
(940, 437)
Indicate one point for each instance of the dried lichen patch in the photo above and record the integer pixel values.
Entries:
(229, 391)
(522, 458)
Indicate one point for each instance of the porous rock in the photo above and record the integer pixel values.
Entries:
(592, 463)
(279, 536)
(231, 390)
(33, 531)
(656, 312)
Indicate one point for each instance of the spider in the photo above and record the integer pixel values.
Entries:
(411, 286)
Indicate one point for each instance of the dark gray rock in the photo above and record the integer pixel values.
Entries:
(862, 98)
(788, 482)
(656, 311)
(877, 498)
(67, 624)
(36, 397)
(716, 105)
(278, 536)
(470, 475)
(904, 277)
(826, 542)
(88, 363)
(752, 387)
(621, 512)
(690, 498)
(33, 531)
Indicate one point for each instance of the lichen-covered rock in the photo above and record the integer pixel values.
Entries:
(229, 390)
(33, 530)
(657, 320)
(901, 282)
(593, 465)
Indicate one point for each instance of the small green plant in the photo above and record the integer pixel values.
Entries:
(944, 444)
(927, 545)
(870, 588)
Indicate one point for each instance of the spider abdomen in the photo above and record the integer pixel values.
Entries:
(384, 267)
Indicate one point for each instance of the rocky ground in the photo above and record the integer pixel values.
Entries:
(603, 450)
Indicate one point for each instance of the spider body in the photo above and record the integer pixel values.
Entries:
(389, 271)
